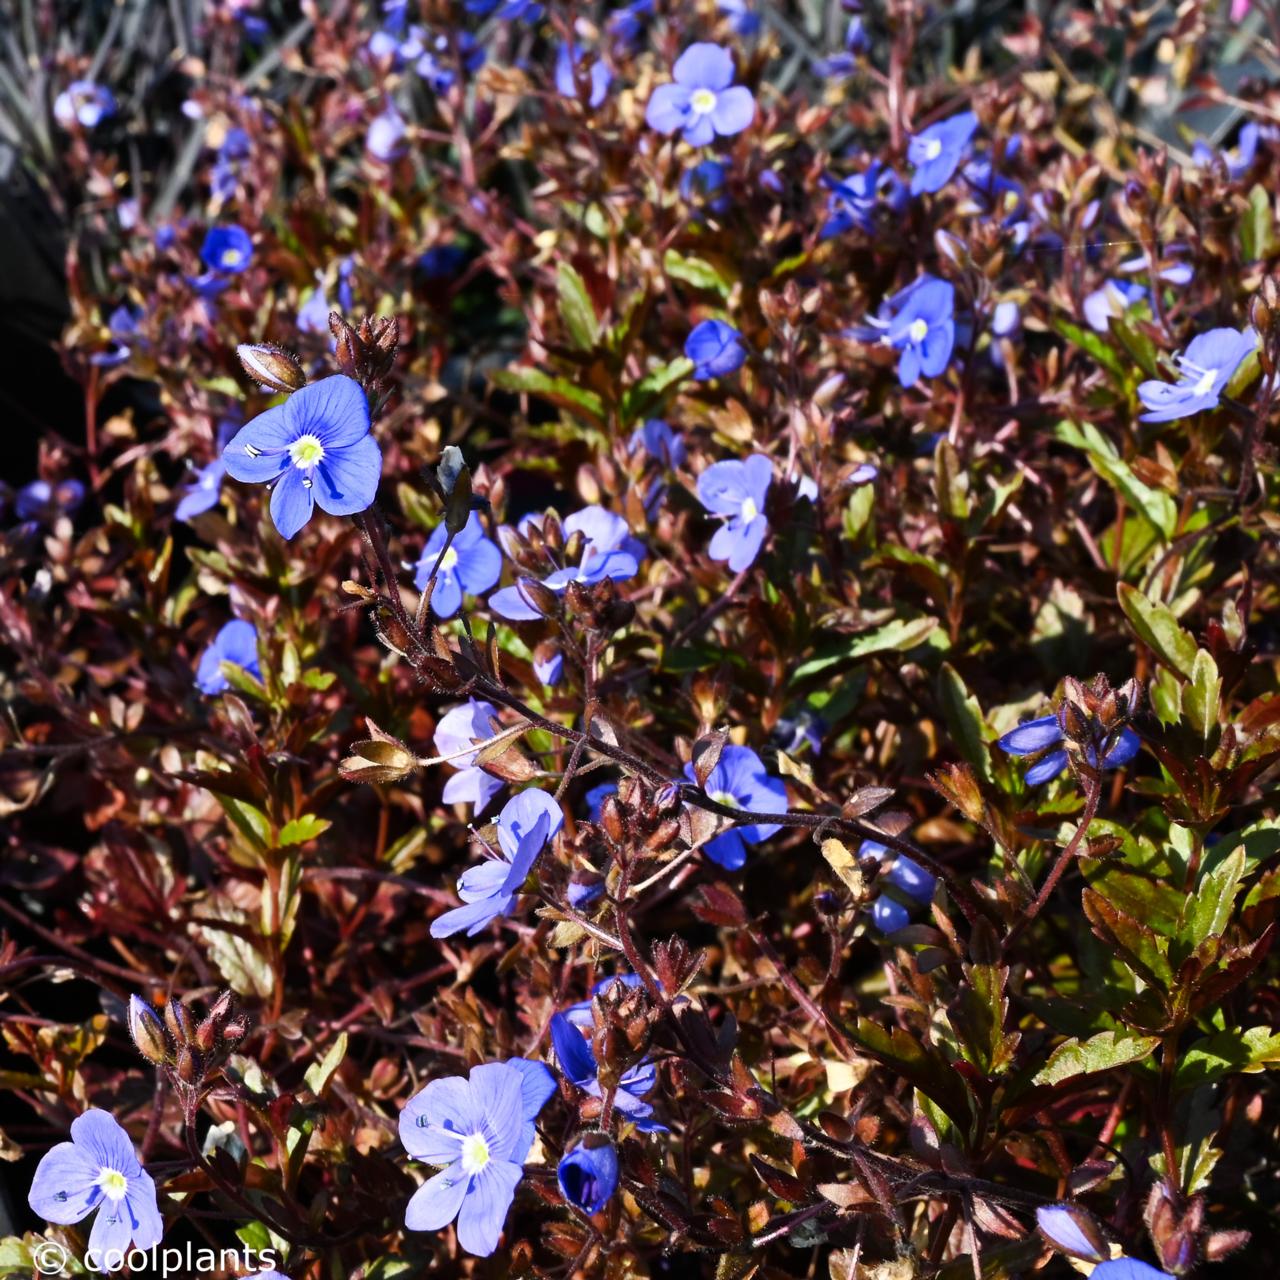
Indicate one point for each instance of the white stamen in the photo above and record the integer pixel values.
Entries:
(749, 510)
(918, 331)
(475, 1153)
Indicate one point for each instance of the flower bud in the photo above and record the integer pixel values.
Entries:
(147, 1031)
(271, 367)
(1073, 1231)
(1222, 1244)
(178, 1019)
(187, 1067)
(588, 1174)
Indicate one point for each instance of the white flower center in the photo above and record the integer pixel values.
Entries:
(306, 451)
(1205, 385)
(703, 101)
(113, 1183)
(749, 509)
(919, 330)
(932, 149)
(475, 1153)
(231, 257)
(449, 559)
(724, 798)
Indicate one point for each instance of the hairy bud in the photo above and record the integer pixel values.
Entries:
(148, 1031)
(271, 367)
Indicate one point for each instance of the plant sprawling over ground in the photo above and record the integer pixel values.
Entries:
(656, 650)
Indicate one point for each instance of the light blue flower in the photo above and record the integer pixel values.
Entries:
(578, 1062)
(459, 729)
(98, 1170)
(937, 151)
(472, 564)
(488, 891)
(1205, 368)
(738, 491)
(716, 349)
(703, 101)
(588, 1175)
(236, 643)
(315, 448)
(741, 781)
(480, 1130)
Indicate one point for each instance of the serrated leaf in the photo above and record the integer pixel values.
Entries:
(924, 1068)
(576, 308)
(1203, 695)
(1229, 1052)
(1106, 1050)
(1208, 911)
(1157, 628)
(1157, 507)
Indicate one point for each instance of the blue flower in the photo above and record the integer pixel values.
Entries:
(316, 448)
(98, 1169)
(1114, 298)
(549, 668)
(227, 249)
(703, 101)
(704, 184)
(1127, 1269)
(457, 730)
(856, 41)
(44, 502)
(526, 823)
(913, 882)
(740, 781)
(854, 201)
(385, 137)
(1045, 735)
(625, 24)
(122, 323)
(84, 103)
(609, 551)
(507, 10)
(743, 21)
(737, 490)
(716, 349)
(1238, 160)
(439, 73)
(937, 151)
(313, 315)
(596, 797)
(202, 491)
(568, 59)
(922, 328)
(660, 442)
(582, 1014)
(588, 1175)
(480, 1129)
(1205, 368)
(472, 564)
(442, 261)
(578, 1062)
(236, 643)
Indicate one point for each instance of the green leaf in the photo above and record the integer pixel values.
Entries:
(1229, 1052)
(1203, 696)
(1157, 628)
(1257, 226)
(318, 1074)
(1093, 344)
(249, 820)
(302, 829)
(978, 1015)
(1137, 344)
(697, 272)
(642, 399)
(1208, 911)
(894, 637)
(922, 1067)
(1138, 945)
(576, 309)
(1102, 1052)
(560, 391)
(1157, 507)
(965, 721)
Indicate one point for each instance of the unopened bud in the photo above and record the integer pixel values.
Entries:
(611, 820)
(186, 1068)
(178, 1019)
(271, 367)
(147, 1031)
(1222, 1244)
(538, 597)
